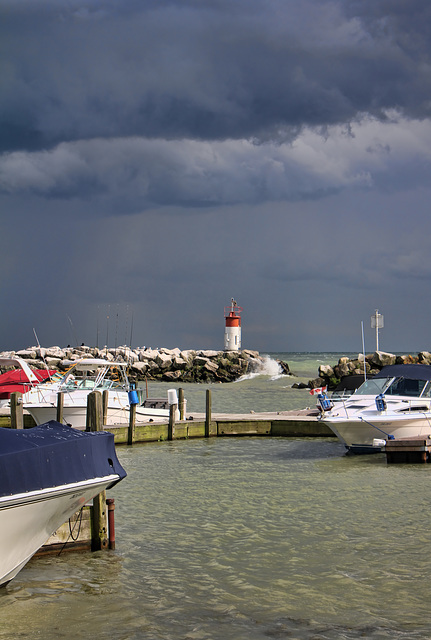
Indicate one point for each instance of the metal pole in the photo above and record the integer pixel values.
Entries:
(363, 350)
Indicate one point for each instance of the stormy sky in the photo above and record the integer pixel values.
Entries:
(159, 157)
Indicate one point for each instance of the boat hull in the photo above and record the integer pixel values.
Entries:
(47, 473)
(358, 434)
(27, 520)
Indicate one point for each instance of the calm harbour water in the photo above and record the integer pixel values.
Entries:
(243, 539)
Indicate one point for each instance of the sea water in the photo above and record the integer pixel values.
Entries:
(264, 390)
(243, 539)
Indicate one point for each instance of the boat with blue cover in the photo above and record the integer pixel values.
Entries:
(395, 403)
(47, 473)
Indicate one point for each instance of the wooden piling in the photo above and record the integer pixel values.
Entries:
(181, 403)
(79, 533)
(132, 423)
(111, 522)
(99, 523)
(105, 398)
(16, 411)
(60, 405)
(171, 424)
(94, 412)
(208, 413)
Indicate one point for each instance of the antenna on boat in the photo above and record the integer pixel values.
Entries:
(127, 324)
(116, 330)
(131, 330)
(97, 327)
(73, 329)
(107, 325)
(40, 350)
(363, 350)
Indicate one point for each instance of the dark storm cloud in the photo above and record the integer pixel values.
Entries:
(205, 70)
(171, 154)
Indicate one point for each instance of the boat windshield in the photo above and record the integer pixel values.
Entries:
(71, 382)
(373, 386)
(395, 387)
(407, 387)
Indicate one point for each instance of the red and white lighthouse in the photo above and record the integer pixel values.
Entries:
(232, 332)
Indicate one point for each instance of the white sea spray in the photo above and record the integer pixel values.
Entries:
(266, 366)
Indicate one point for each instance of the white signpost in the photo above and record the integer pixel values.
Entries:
(377, 322)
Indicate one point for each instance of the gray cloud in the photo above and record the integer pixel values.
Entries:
(205, 70)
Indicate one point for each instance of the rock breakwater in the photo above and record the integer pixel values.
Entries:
(168, 365)
(331, 376)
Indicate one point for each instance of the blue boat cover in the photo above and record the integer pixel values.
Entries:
(410, 371)
(53, 454)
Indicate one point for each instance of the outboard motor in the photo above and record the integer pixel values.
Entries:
(325, 403)
(381, 402)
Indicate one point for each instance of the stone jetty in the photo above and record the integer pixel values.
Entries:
(331, 376)
(167, 365)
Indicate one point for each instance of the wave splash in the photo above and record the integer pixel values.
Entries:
(266, 367)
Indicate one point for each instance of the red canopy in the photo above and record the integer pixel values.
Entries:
(17, 380)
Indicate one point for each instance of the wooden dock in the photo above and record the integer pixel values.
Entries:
(296, 423)
(287, 424)
(416, 449)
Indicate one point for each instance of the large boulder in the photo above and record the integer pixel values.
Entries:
(424, 357)
(342, 370)
(210, 366)
(140, 367)
(326, 371)
(27, 354)
(164, 360)
(382, 359)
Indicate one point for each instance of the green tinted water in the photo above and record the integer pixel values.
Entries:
(243, 539)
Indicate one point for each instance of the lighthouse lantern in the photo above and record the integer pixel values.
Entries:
(232, 332)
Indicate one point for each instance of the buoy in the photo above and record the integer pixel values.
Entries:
(379, 443)
(232, 332)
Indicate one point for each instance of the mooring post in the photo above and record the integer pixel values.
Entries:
(181, 403)
(94, 412)
(99, 523)
(111, 522)
(60, 404)
(16, 411)
(171, 425)
(105, 398)
(208, 413)
(132, 422)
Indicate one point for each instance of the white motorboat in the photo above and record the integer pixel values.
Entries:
(94, 374)
(47, 473)
(395, 403)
